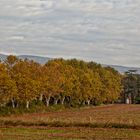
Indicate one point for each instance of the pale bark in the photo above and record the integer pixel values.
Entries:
(27, 104)
(83, 103)
(17, 105)
(56, 101)
(47, 101)
(41, 97)
(13, 103)
(62, 101)
(88, 102)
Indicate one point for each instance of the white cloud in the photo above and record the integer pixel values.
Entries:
(87, 29)
(16, 38)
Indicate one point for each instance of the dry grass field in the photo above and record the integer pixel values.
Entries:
(104, 122)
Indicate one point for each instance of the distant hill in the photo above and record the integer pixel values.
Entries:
(39, 59)
(123, 69)
(43, 60)
(3, 57)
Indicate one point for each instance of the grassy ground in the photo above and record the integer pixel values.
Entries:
(76, 133)
(104, 122)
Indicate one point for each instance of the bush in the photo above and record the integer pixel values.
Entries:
(137, 100)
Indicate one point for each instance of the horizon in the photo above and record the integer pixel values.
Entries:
(30, 55)
(105, 31)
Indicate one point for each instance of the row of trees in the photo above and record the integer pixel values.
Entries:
(58, 81)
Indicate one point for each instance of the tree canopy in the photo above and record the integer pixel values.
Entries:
(58, 81)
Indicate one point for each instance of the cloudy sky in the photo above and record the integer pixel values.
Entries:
(105, 31)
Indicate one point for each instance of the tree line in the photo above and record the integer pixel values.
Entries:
(131, 86)
(71, 82)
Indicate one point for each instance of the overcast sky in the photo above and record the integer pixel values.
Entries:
(105, 31)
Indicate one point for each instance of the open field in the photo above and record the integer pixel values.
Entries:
(103, 122)
(68, 133)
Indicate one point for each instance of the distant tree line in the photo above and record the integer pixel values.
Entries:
(131, 85)
(70, 82)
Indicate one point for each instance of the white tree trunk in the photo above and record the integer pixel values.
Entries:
(27, 104)
(47, 101)
(41, 97)
(88, 102)
(13, 103)
(62, 101)
(17, 105)
(56, 101)
(83, 103)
